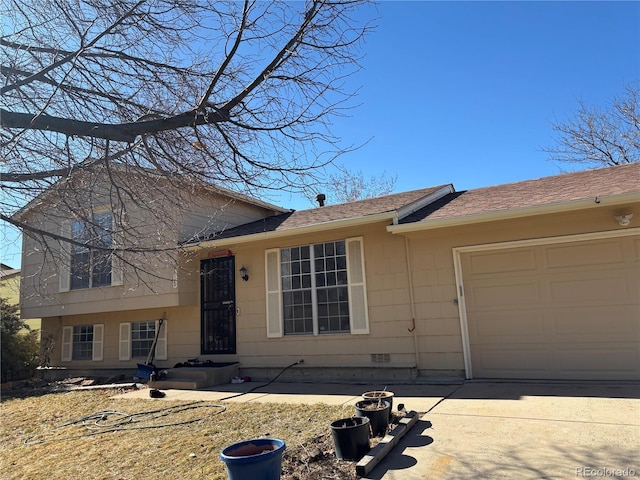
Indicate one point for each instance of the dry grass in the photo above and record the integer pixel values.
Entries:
(180, 443)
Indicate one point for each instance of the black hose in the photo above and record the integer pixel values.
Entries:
(264, 384)
(97, 426)
(96, 421)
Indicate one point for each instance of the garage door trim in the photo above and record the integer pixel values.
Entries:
(457, 262)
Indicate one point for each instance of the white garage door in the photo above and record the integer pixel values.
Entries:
(555, 311)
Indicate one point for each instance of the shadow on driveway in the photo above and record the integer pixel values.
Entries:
(489, 430)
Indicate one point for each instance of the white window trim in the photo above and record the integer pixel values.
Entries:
(65, 257)
(356, 283)
(97, 348)
(273, 282)
(161, 346)
(98, 342)
(125, 341)
(356, 278)
(67, 344)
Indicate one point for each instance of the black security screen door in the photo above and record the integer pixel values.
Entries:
(218, 309)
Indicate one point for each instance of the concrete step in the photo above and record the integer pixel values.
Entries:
(195, 378)
(193, 373)
(178, 384)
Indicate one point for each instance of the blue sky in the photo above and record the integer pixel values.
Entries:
(465, 92)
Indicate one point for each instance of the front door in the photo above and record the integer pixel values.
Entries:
(218, 309)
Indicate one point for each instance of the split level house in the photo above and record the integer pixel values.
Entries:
(538, 279)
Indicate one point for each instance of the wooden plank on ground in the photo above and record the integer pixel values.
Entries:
(377, 453)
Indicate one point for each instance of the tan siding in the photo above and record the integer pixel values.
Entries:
(41, 296)
(389, 308)
(389, 311)
(217, 213)
(183, 340)
(437, 319)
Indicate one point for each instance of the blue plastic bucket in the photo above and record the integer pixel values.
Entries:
(144, 371)
(256, 459)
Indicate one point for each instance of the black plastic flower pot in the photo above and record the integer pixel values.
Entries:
(350, 437)
(377, 411)
(384, 394)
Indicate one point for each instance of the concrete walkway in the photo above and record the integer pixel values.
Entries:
(420, 398)
(485, 430)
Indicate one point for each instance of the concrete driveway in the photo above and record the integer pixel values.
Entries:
(484, 430)
(523, 430)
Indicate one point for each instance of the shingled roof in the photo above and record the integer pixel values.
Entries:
(547, 191)
(438, 206)
(361, 209)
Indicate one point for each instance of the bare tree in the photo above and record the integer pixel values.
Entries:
(601, 137)
(151, 93)
(344, 185)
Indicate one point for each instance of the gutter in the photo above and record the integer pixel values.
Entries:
(313, 228)
(570, 206)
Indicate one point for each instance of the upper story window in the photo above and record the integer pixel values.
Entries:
(91, 267)
(316, 289)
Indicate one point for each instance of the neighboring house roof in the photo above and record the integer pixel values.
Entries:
(569, 191)
(388, 207)
(6, 273)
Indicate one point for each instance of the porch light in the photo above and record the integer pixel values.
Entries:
(243, 273)
(624, 220)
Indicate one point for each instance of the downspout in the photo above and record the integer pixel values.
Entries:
(412, 302)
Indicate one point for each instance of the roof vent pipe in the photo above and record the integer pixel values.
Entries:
(320, 198)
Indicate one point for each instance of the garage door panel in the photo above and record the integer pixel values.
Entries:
(604, 252)
(596, 361)
(488, 361)
(616, 358)
(511, 325)
(487, 263)
(575, 313)
(504, 294)
(608, 288)
(608, 323)
(636, 251)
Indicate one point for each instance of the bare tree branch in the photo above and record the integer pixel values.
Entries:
(67, 58)
(601, 137)
(124, 132)
(138, 105)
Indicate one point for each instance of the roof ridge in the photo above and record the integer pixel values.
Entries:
(379, 197)
(589, 171)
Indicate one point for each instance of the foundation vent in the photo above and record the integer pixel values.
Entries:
(380, 358)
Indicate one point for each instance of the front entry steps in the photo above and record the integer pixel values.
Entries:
(195, 378)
